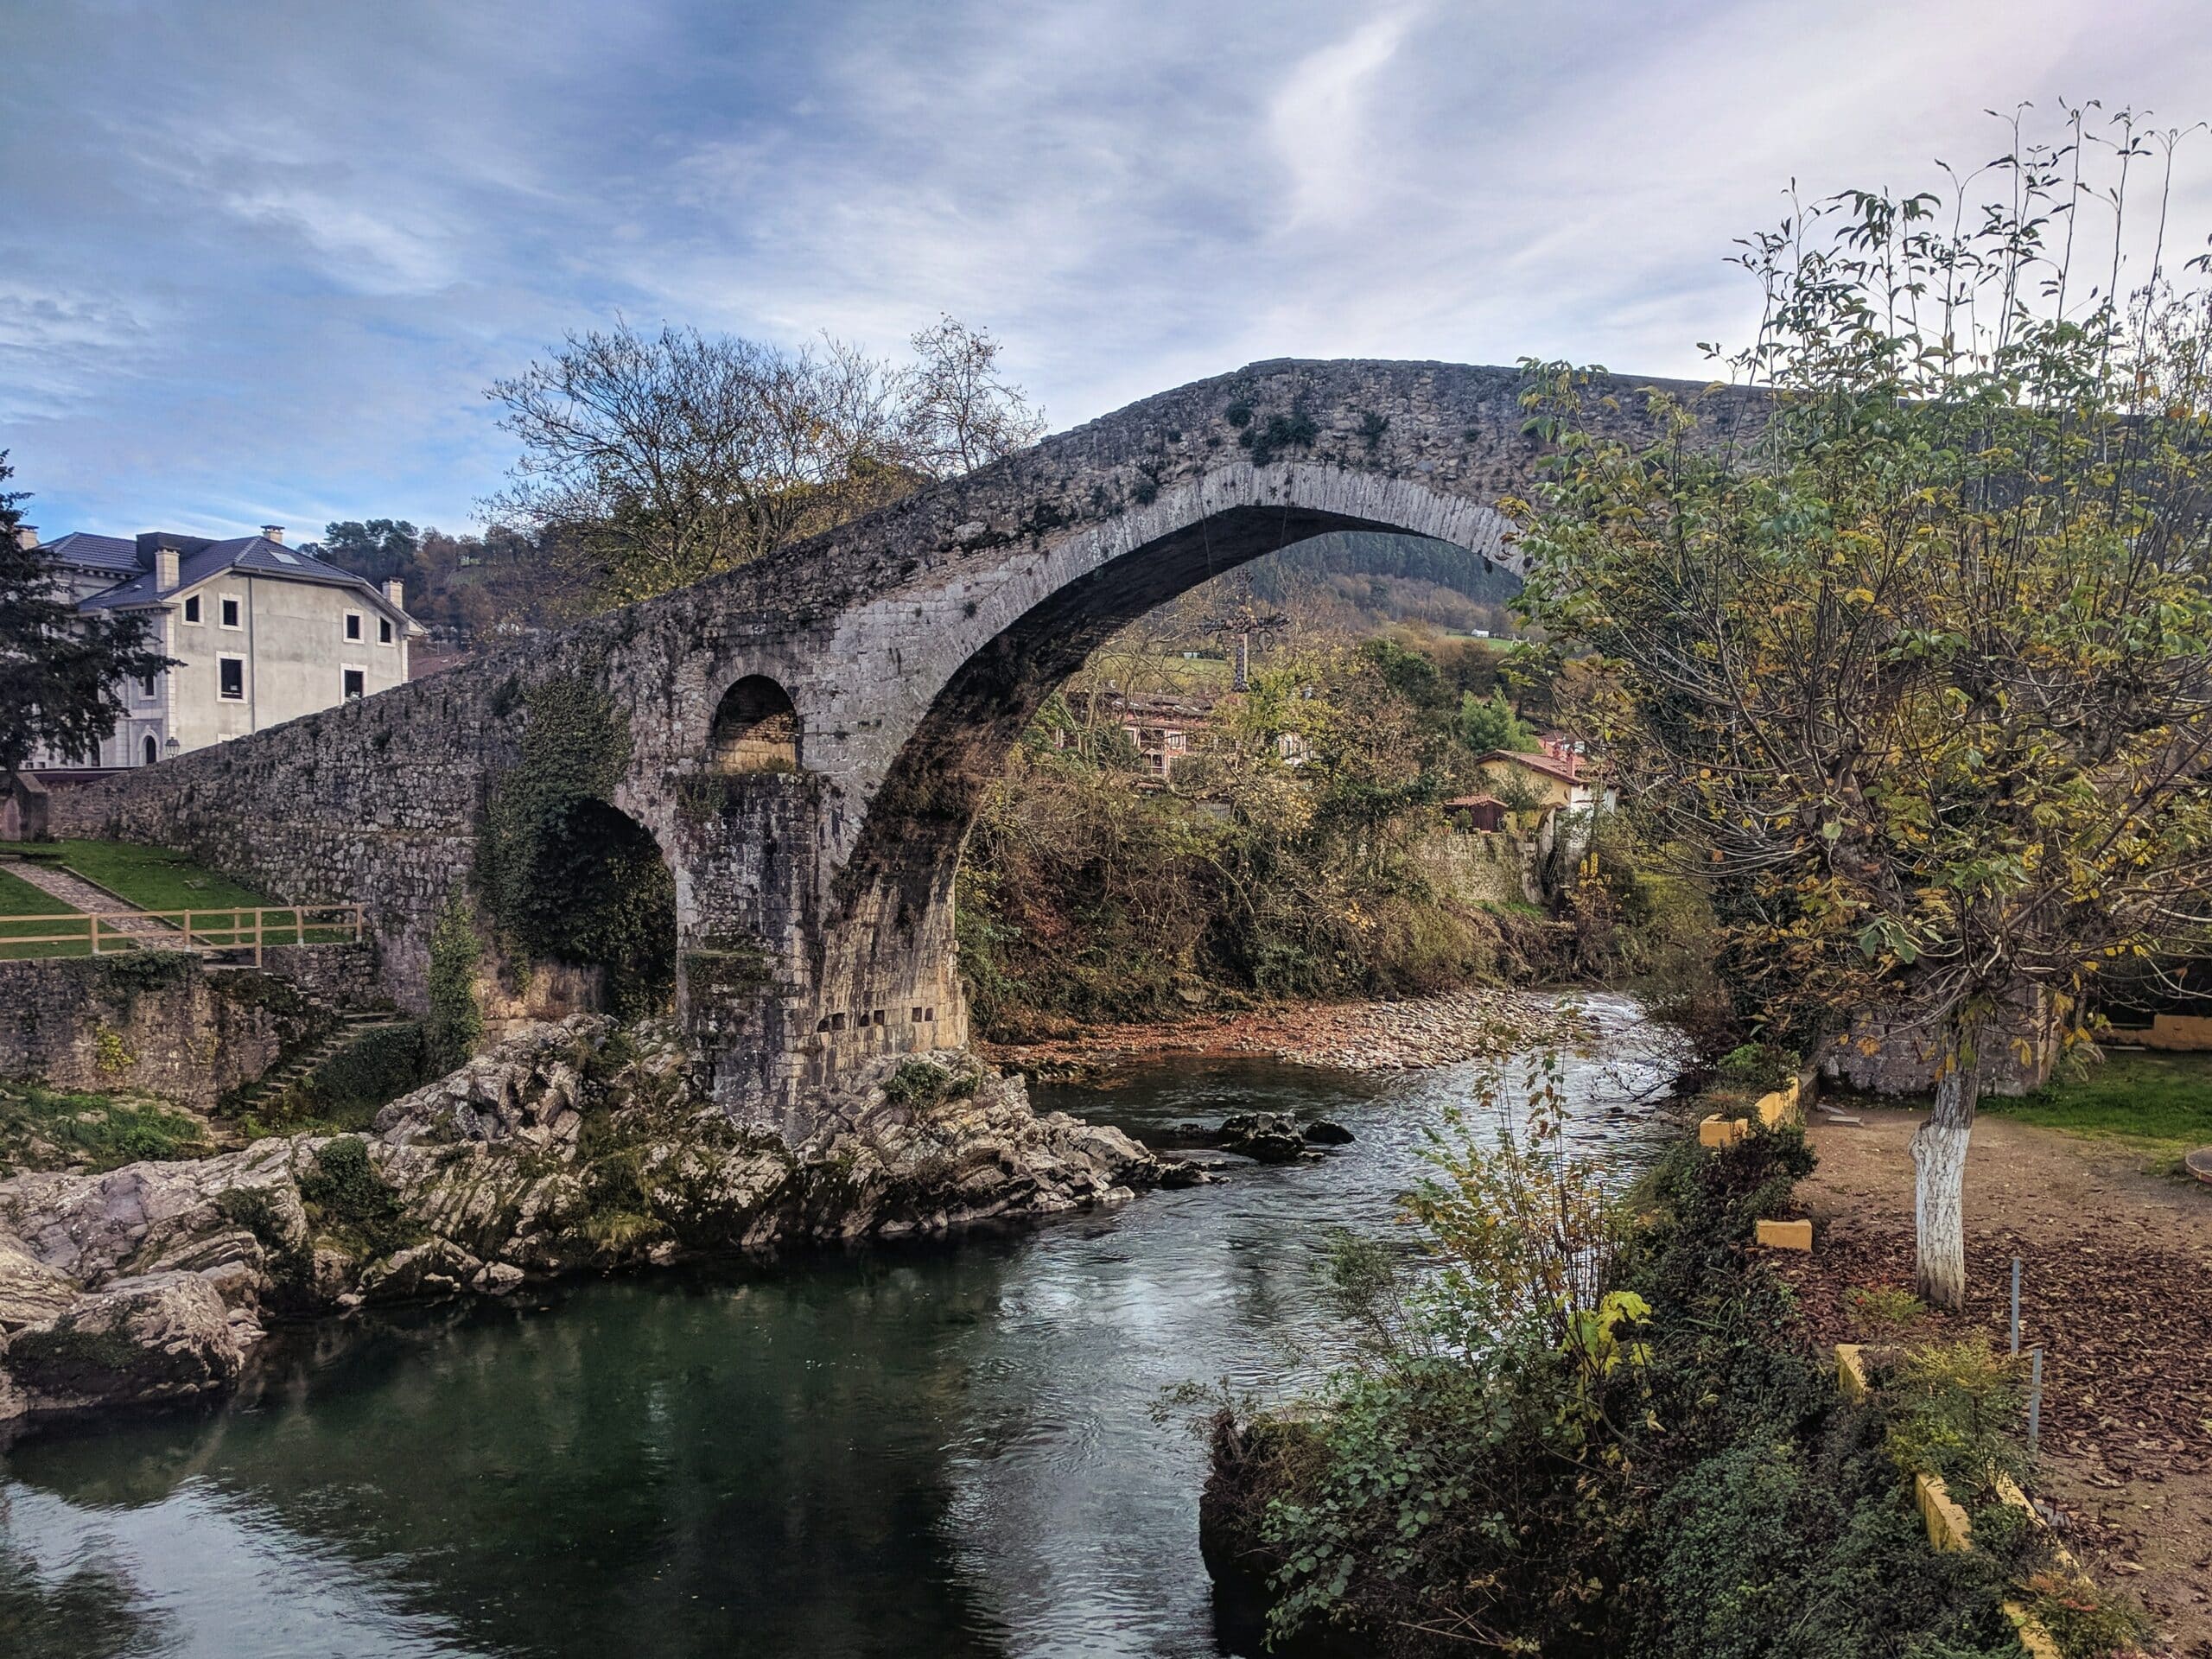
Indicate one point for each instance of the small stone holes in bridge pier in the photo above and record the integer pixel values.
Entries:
(830, 1022)
(756, 728)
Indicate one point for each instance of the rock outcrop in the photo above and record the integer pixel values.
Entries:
(567, 1147)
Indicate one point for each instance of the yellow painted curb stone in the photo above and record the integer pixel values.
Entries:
(1851, 1371)
(1785, 1235)
(1948, 1526)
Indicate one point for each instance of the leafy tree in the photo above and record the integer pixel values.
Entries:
(1919, 672)
(664, 458)
(377, 550)
(1489, 723)
(61, 671)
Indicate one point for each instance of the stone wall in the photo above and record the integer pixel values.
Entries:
(343, 976)
(1882, 1055)
(153, 1021)
(1479, 867)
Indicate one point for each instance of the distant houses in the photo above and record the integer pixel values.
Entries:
(262, 633)
(1168, 731)
(1556, 776)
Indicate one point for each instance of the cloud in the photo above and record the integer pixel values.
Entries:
(263, 260)
(1318, 121)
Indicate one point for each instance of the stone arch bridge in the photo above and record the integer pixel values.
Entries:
(809, 736)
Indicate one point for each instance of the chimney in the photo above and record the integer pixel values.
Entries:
(26, 537)
(165, 570)
(274, 533)
(396, 591)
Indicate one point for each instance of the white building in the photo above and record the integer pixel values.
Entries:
(262, 633)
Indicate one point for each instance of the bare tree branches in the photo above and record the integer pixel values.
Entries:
(663, 458)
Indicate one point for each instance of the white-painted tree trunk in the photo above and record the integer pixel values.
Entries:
(1939, 1157)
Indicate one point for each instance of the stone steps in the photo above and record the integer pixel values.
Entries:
(274, 1081)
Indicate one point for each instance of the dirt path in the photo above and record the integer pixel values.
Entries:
(2117, 1292)
(78, 893)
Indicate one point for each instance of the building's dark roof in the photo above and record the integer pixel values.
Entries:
(255, 554)
(92, 552)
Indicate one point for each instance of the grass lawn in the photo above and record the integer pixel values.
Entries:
(2161, 1103)
(154, 878)
(19, 898)
(49, 1129)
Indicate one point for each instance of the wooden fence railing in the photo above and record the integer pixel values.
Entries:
(236, 927)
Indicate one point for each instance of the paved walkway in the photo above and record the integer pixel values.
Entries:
(74, 891)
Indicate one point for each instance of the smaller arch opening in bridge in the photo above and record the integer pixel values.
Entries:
(756, 728)
(591, 890)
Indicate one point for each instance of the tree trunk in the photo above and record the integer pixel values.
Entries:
(1939, 1156)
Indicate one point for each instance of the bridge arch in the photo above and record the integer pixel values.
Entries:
(889, 942)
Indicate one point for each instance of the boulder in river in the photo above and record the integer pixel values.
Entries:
(1322, 1132)
(162, 1336)
(1264, 1137)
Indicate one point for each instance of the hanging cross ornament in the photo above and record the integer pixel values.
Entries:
(1243, 621)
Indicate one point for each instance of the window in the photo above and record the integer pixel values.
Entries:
(192, 609)
(230, 610)
(145, 688)
(356, 683)
(230, 676)
(384, 630)
(353, 625)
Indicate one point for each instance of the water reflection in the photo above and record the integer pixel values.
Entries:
(948, 1452)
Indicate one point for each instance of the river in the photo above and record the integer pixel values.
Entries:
(943, 1451)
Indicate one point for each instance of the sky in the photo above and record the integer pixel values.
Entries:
(259, 261)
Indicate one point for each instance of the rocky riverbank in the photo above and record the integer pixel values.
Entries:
(1398, 1036)
(569, 1146)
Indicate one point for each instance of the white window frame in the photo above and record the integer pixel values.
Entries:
(192, 609)
(229, 657)
(353, 635)
(222, 607)
(387, 634)
(344, 668)
(149, 689)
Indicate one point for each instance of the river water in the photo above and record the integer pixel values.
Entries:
(945, 1450)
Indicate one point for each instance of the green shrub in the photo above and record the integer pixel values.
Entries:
(1953, 1407)
(925, 1082)
(379, 1065)
(1883, 1310)
(376, 1066)
(347, 1201)
(1757, 1066)
(2085, 1622)
(455, 1020)
(1472, 1483)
